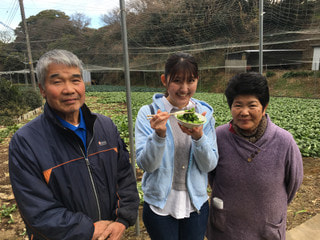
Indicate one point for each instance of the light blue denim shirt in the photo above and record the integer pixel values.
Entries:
(155, 155)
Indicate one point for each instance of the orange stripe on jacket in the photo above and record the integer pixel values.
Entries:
(47, 173)
(114, 149)
(118, 203)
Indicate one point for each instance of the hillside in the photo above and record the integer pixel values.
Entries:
(282, 83)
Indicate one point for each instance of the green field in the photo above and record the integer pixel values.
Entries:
(301, 117)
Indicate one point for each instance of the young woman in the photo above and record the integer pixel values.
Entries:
(175, 159)
(259, 171)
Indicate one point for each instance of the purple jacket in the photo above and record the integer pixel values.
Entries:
(256, 182)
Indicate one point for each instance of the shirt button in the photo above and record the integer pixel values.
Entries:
(183, 167)
(249, 159)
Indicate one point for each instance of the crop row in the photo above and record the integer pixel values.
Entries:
(298, 116)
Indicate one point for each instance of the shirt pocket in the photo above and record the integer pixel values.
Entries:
(218, 218)
(156, 185)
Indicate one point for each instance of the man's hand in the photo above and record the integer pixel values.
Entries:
(99, 228)
(108, 230)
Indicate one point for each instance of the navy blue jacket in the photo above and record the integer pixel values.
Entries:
(60, 189)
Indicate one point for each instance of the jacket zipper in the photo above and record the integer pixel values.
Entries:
(91, 178)
(85, 155)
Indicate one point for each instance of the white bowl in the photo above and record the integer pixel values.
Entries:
(189, 124)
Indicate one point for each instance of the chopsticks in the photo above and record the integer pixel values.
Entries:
(171, 114)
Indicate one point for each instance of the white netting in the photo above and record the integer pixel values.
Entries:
(210, 29)
(214, 28)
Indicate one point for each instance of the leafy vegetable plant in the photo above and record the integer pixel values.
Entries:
(189, 117)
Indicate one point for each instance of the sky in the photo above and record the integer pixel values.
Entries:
(10, 13)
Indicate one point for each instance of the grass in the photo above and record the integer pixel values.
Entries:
(6, 212)
(282, 83)
(302, 84)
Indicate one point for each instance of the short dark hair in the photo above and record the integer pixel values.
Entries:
(251, 83)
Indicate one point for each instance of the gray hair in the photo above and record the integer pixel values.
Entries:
(57, 56)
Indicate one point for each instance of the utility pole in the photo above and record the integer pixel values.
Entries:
(33, 79)
(25, 74)
(261, 36)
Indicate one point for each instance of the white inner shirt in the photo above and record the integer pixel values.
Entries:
(178, 203)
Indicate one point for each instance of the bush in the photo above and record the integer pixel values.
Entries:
(270, 74)
(292, 74)
(8, 92)
(32, 98)
(10, 102)
(15, 101)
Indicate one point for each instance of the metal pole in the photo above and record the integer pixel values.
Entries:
(260, 36)
(33, 79)
(128, 94)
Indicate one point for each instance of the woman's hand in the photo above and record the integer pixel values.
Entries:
(158, 123)
(196, 132)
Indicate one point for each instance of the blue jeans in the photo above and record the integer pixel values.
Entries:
(170, 228)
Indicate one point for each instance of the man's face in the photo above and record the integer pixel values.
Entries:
(64, 91)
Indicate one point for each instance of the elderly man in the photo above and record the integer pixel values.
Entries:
(69, 168)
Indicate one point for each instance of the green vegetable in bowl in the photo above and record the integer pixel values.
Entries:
(190, 117)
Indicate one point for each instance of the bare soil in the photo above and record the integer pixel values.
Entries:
(305, 205)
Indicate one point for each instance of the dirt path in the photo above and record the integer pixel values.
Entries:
(305, 205)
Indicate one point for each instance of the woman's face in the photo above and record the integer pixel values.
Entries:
(247, 112)
(180, 90)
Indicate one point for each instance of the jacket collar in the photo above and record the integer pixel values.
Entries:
(89, 117)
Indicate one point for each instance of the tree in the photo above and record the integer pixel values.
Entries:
(6, 36)
(46, 27)
(10, 61)
(80, 21)
(113, 17)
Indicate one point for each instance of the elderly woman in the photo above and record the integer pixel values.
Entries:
(259, 169)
